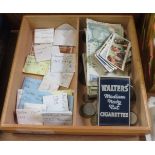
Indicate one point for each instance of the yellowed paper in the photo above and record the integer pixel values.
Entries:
(33, 67)
(68, 91)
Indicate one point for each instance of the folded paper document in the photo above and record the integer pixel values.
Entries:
(29, 116)
(52, 81)
(65, 35)
(33, 67)
(31, 83)
(57, 118)
(31, 96)
(63, 63)
(56, 103)
(43, 35)
(44, 52)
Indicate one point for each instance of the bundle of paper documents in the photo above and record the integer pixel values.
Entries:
(107, 52)
(43, 107)
(40, 101)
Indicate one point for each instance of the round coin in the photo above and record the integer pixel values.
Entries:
(87, 110)
(133, 118)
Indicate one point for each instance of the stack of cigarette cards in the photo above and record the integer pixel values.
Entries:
(114, 52)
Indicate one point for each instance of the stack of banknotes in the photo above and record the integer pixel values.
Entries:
(107, 51)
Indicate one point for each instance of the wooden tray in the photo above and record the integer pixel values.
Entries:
(80, 125)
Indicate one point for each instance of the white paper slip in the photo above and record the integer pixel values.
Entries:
(19, 94)
(41, 107)
(63, 63)
(43, 35)
(56, 102)
(29, 116)
(55, 50)
(48, 84)
(65, 35)
(57, 118)
(44, 52)
(51, 81)
(65, 79)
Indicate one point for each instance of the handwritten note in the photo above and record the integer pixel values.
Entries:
(29, 116)
(41, 107)
(48, 85)
(33, 67)
(43, 35)
(65, 79)
(56, 103)
(64, 63)
(31, 96)
(52, 81)
(65, 35)
(57, 118)
(44, 52)
(31, 83)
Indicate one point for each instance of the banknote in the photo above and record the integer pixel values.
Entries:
(92, 91)
(96, 34)
(115, 28)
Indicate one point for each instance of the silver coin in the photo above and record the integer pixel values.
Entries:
(133, 118)
(87, 110)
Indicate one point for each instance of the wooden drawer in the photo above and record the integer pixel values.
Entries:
(80, 125)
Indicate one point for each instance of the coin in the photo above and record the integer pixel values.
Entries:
(87, 110)
(133, 118)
